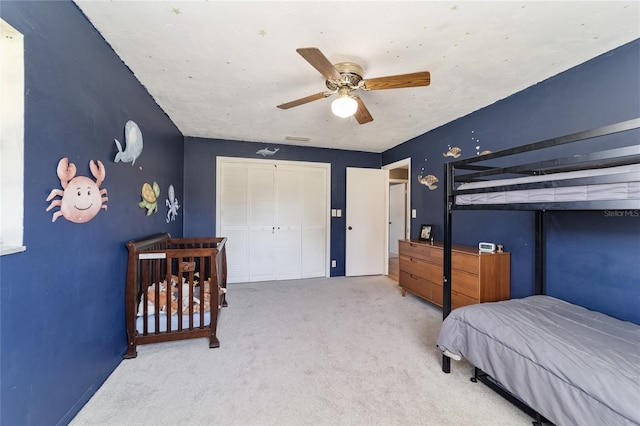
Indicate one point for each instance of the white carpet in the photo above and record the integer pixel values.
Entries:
(337, 351)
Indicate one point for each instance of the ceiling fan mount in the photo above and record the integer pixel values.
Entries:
(345, 77)
(350, 76)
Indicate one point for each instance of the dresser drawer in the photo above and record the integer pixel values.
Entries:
(466, 284)
(436, 294)
(459, 299)
(415, 284)
(465, 262)
(435, 255)
(415, 266)
(412, 249)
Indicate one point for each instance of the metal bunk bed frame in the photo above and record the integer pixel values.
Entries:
(476, 169)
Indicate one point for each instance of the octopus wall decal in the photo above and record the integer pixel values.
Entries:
(172, 204)
(81, 198)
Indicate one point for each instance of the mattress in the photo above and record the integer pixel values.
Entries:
(629, 190)
(572, 365)
(151, 322)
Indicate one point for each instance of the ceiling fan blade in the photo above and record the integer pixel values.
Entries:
(305, 100)
(320, 62)
(398, 81)
(362, 115)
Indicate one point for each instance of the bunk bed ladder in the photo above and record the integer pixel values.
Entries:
(446, 264)
(539, 276)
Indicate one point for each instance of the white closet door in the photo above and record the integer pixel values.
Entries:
(314, 222)
(234, 219)
(262, 217)
(289, 213)
(275, 216)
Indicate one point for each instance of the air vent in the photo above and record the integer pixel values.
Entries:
(297, 138)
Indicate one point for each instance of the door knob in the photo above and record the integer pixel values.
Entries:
(349, 228)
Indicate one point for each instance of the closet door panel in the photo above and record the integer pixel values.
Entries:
(288, 210)
(262, 223)
(313, 253)
(234, 223)
(237, 247)
(314, 222)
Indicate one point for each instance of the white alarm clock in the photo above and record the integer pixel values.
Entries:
(487, 247)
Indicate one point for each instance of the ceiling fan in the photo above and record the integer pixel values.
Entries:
(346, 77)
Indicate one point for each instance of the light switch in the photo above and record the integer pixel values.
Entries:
(414, 214)
(333, 263)
(339, 212)
(333, 213)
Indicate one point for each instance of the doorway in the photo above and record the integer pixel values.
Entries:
(399, 209)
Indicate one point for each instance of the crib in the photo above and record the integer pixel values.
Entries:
(175, 288)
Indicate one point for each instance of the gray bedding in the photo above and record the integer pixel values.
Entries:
(572, 365)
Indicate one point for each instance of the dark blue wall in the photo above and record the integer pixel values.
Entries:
(200, 182)
(62, 301)
(602, 91)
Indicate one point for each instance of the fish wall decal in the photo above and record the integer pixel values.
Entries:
(133, 149)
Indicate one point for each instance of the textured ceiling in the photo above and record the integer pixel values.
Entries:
(220, 68)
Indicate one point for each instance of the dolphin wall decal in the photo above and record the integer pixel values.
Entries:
(265, 151)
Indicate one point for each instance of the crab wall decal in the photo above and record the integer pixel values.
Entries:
(150, 198)
(81, 198)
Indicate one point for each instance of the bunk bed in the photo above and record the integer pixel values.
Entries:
(558, 361)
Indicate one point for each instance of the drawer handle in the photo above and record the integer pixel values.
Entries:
(413, 260)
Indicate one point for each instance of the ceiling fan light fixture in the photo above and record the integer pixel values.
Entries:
(344, 106)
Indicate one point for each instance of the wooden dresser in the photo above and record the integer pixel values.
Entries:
(475, 277)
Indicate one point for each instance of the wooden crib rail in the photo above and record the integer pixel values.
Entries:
(152, 242)
(158, 258)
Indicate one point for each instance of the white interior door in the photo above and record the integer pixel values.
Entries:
(397, 214)
(367, 222)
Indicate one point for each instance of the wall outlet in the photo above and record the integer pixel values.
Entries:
(333, 263)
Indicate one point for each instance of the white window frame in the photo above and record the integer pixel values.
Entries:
(11, 140)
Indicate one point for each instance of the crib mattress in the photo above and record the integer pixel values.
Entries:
(151, 322)
(596, 192)
(572, 365)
